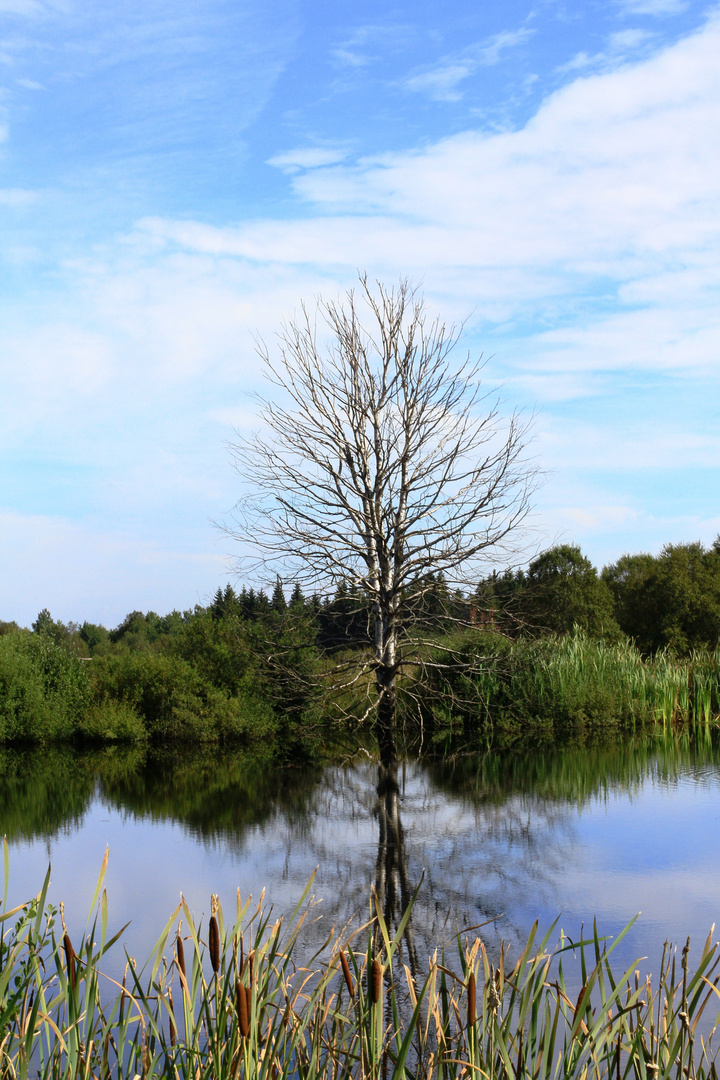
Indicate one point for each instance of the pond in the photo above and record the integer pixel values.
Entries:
(499, 838)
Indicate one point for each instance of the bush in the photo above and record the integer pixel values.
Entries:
(44, 687)
(111, 721)
(173, 700)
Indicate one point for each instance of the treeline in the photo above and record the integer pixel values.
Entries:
(669, 601)
(208, 674)
(556, 643)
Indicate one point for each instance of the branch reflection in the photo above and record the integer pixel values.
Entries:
(392, 879)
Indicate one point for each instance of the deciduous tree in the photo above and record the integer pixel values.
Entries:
(381, 465)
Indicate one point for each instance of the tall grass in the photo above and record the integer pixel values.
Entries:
(576, 680)
(246, 1005)
(577, 674)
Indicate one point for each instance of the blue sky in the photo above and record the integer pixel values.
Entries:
(172, 184)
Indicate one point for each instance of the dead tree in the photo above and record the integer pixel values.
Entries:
(381, 464)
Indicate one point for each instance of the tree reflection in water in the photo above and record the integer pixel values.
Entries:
(392, 880)
(495, 834)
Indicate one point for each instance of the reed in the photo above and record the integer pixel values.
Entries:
(556, 1010)
(577, 680)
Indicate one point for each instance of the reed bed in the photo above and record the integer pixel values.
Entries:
(235, 1001)
(576, 679)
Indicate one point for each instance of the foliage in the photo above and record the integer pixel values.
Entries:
(175, 701)
(672, 601)
(562, 590)
(575, 680)
(44, 686)
(247, 1005)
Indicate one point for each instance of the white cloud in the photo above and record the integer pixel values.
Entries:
(622, 46)
(617, 446)
(490, 52)
(597, 517)
(351, 58)
(600, 220)
(624, 40)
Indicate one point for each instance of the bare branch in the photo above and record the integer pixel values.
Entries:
(387, 464)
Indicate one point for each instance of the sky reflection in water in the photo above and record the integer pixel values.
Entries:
(603, 833)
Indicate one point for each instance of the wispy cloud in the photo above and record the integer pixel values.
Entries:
(442, 81)
(370, 41)
(27, 8)
(622, 46)
(653, 7)
(17, 197)
(307, 157)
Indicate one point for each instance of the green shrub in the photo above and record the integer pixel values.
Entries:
(173, 700)
(44, 688)
(111, 721)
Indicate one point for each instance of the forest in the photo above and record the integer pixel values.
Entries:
(552, 647)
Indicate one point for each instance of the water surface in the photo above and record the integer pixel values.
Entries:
(508, 837)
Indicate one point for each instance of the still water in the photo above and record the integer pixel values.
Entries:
(507, 837)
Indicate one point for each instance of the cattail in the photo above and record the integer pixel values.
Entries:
(580, 1001)
(375, 981)
(471, 1000)
(251, 965)
(172, 1018)
(180, 954)
(70, 958)
(346, 972)
(214, 935)
(241, 1001)
(214, 943)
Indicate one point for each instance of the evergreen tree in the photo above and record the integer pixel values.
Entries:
(297, 600)
(277, 603)
(217, 608)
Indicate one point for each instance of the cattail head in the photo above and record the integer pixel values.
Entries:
(214, 944)
(70, 960)
(471, 1000)
(346, 973)
(180, 954)
(375, 981)
(243, 1010)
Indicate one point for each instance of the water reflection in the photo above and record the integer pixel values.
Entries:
(392, 878)
(504, 836)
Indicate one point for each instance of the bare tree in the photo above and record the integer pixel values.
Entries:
(384, 465)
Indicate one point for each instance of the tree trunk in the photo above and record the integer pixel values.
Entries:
(386, 681)
(386, 723)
